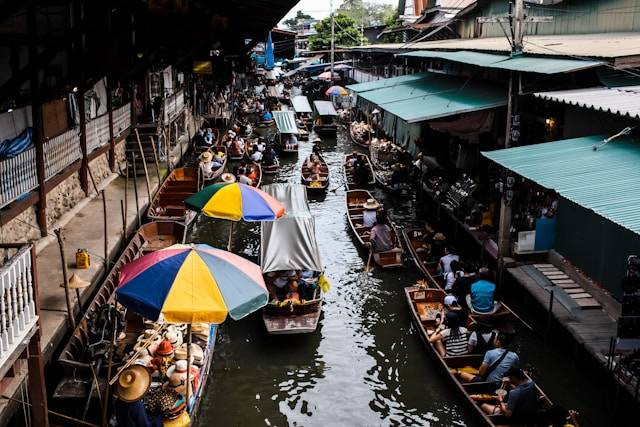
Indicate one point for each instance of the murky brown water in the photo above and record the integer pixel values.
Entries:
(365, 365)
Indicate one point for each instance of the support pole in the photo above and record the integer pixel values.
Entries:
(230, 236)
(104, 217)
(135, 190)
(189, 341)
(112, 141)
(65, 277)
(155, 158)
(144, 165)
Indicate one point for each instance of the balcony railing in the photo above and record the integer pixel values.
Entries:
(17, 176)
(61, 151)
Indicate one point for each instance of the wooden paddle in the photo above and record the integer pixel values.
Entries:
(366, 269)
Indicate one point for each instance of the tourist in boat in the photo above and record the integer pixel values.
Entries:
(444, 264)
(307, 285)
(266, 116)
(316, 171)
(270, 157)
(481, 299)
(208, 165)
(482, 339)
(291, 142)
(452, 340)
(199, 139)
(462, 286)
(256, 155)
(242, 176)
(382, 238)
(369, 216)
(495, 364)
(260, 143)
(133, 384)
(353, 160)
(361, 173)
(451, 276)
(521, 398)
(438, 244)
(284, 283)
(252, 172)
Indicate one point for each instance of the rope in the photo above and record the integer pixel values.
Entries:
(57, 414)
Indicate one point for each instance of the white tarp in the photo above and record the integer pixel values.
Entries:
(290, 242)
(301, 104)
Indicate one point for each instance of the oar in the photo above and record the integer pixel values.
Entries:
(366, 269)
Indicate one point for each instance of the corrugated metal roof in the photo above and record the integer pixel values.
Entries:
(622, 101)
(599, 45)
(607, 181)
(324, 108)
(285, 121)
(520, 63)
(436, 95)
(301, 104)
(392, 81)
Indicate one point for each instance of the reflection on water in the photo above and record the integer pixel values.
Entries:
(365, 365)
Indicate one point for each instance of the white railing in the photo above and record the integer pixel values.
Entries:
(173, 105)
(363, 77)
(17, 176)
(97, 132)
(61, 151)
(121, 119)
(17, 305)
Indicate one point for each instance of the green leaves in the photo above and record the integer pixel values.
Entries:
(346, 33)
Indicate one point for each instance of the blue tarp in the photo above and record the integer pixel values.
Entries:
(14, 146)
(268, 53)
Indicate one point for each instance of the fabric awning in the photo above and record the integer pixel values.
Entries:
(622, 101)
(383, 83)
(324, 108)
(606, 180)
(529, 64)
(290, 243)
(285, 121)
(301, 104)
(435, 96)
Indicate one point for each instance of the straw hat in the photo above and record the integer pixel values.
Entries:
(133, 383)
(231, 133)
(439, 237)
(174, 337)
(76, 283)
(164, 349)
(371, 204)
(228, 178)
(197, 354)
(206, 156)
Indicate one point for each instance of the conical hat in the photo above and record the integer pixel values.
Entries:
(133, 383)
(371, 204)
(76, 283)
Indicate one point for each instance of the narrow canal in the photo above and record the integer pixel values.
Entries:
(365, 365)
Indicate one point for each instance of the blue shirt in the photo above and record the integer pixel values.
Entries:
(482, 293)
(511, 359)
(523, 399)
(267, 116)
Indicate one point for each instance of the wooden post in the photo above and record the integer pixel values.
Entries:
(37, 385)
(104, 213)
(112, 141)
(84, 166)
(189, 340)
(124, 222)
(65, 277)
(144, 164)
(135, 189)
(155, 158)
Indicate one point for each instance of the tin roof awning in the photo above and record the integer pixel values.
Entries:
(301, 104)
(435, 96)
(285, 121)
(529, 64)
(622, 101)
(606, 180)
(383, 83)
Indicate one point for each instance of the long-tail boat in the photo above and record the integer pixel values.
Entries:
(349, 177)
(168, 202)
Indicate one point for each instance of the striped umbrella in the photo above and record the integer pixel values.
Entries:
(336, 91)
(192, 283)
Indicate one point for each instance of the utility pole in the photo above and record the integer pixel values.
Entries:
(333, 33)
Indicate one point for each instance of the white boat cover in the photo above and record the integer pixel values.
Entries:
(285, 121)
(290, 242)
(301, 104)
(325, 108)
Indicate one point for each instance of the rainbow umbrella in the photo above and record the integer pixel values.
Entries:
(235, 202)
(336, 91)
(192, 283)
(327, 76)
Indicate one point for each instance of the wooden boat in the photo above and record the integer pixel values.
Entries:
(281, 319)
(381, 163)
(236, 154)
(414, 238)
(348, 172)
(168, 202)
(315, 186)
(325, 118)
(285, 151)
(199, 149)
(355, 199)
(361, 143)
(216, 174)
(258, 181)
(422, 303)
(271, 169)
(76, 356)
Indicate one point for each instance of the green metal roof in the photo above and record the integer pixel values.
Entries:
(436, 95)
(606, 181)
(529, 64)
(285, 121)
(382, 83)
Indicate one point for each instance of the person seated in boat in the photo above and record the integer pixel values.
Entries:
(316, 172)
(438, 243)
(270, 157)
(242, 176)
(382, 238)
(256, 155)
(291, 143)
(400, 174)
(131, 388)
(481, 298)
(444, 263)
(316, 149)
(452, 340)
(462, 285)
(252, 172)
(227, 139)
(208, 165)
(319, 121)
(482, 338)
(266, 116)
(369, 214)
(285, 282)
(260, 143)
(307, 285)
(451, 276)
(198, 140)
(521, 397)
(361, 174)
(495, 363)
(353, 160)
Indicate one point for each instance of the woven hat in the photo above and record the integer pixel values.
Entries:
(164, 348)
(228, 178)
(232, 133)
(76, 283)
(371, 204)
(439, 237)
(133, 383)
(174, 337)
(206, 156)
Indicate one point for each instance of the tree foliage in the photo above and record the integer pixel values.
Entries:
(366, 14)
(346, 33)
(292, 23)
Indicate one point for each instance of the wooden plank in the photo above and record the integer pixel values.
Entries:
(563, 281)
(556, 276)
(586, 303)
(543, 265)
(573, 290)
(547, 268)
(580, 295)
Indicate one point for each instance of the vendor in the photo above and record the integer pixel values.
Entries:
(133, 384)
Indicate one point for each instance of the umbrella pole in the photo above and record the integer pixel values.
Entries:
(230, 235)
(189, 339)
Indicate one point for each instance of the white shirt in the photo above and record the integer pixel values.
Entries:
(368, 218)
(256, 156)
(446, 262)
(244, 179)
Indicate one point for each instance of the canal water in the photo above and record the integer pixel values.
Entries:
(365, 365)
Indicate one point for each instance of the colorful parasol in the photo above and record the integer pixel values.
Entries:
(192, 283)
(336, 91)
(235, 202)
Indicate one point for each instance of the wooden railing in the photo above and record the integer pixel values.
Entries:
(61, 152)
(17, 176)
(97, 132)
(17, 304)
(121, 119)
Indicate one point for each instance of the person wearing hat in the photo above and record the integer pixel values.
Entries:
(451, 341)
(164, 356)
(208, 165)
(228, 178)
(371, 207)
(132, 386)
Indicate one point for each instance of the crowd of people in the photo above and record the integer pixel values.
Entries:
(292, 285)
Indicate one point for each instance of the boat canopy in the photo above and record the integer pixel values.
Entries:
(324, 108)
(301, 104)
(290, 242)
(285, 121)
